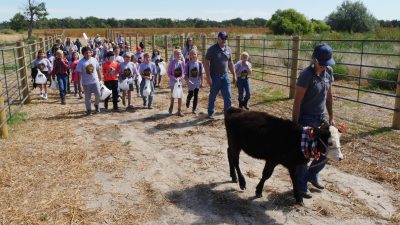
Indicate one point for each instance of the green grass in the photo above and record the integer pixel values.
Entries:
(17, 118)
(269, 96)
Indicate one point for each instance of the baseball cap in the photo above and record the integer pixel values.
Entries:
(138, 49)
(222, 34)
(323, 53)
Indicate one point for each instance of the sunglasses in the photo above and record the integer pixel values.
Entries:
(224, 38)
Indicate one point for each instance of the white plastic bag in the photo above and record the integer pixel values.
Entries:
(147, 88)
(163, 69)
(104, 92)
(177, 92)
(40, 78)
(54, 84)
(124, 85)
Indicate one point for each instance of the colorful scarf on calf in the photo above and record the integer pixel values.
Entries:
(309, 144)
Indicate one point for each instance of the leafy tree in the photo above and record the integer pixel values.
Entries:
(33, 12)
(352, 17)
(18, 22)
(289, 21)
(319, 26)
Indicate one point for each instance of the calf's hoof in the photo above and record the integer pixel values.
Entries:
(234, 180)
(242, 186)
(258, 194)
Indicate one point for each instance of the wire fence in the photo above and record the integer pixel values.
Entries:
(15, 64)
(366, 71)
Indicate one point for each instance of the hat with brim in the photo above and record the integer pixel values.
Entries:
(324, 54)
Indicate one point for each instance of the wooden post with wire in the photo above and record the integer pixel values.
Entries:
(238, 50)
(166, 48)
(3, 115)
(396, 114)
(203, 46)
(23, 71)
(294, 68)
(153, 42)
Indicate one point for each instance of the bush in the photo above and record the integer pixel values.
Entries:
(384, 75)
(341, 72)
(289, 21)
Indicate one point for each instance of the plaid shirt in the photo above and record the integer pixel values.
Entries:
(309, 144)
(60, 66)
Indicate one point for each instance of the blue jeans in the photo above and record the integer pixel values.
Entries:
(219, 83)
(62, 84)
(302, 171)
(243, 85)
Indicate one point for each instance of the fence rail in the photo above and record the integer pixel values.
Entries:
(361, 71)
(15, 64)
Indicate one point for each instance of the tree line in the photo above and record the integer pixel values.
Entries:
(348, 17)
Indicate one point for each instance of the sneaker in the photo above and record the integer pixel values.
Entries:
(316, 184)
(129, 107)
(211, 116)
(88, 112)
(187, 105)
(119, 98)
(194, 112)
(80, 96)
(150, 107)
(41, 94)
(75, 94)
(306, 195)
(180, 114)
(138, 94)
(63, 102)
(97, 108)
(45, 96)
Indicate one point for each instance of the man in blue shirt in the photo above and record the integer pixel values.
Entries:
(313, 95)
(217, 61)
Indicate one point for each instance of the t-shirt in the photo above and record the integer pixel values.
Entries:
(219, 59)
(111, 70)
(194, 72)
(317, 87)
(147, 69)
(128, 70)
(44, 65)
(243, 70)
(119, 59)
(88, 69)
(139, 56)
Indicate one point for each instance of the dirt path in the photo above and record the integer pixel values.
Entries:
(147, 167)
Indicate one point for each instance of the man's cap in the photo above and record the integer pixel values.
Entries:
(222, 34)
(138, 48)
(324, 54)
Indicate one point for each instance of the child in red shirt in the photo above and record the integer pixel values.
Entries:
(111, 70)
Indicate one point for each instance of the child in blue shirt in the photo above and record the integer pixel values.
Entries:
(243, 70)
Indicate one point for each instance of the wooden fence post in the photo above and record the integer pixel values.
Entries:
(22, 73)
(203, 46)
(396, 114)
(41, 44)
(137, 40)
(153, 42)
(144, 42)
(238, 51)
(4, 128)
(166, 48)
(34, 50)
(294, 68)
(130, 41)
(182, 42)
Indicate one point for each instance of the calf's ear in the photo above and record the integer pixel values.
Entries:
(321, 132)
(342, 128)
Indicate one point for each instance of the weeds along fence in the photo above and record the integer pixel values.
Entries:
(366, 71)
(15, 64)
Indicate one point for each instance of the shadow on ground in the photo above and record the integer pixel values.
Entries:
(227, 207)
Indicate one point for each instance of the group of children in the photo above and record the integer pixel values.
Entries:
(118, 64)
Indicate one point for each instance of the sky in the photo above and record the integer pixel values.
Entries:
(205, 9)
